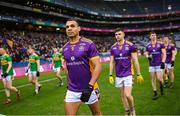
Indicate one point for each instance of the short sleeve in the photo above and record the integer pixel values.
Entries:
(111, 51)
(92, 51)
(162, 46)
(133, 48)
(9, 59)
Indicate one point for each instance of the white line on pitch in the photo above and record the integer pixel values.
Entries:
(21, 86)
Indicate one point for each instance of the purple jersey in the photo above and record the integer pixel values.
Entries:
(169, 50)
(77, 57)
(156, 53)
(122, 58)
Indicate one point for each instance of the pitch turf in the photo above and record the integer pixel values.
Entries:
(50, 100)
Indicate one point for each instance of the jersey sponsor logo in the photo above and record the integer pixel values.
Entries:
(114, 48)
(82, 44)
(75, 63)
(121, 58)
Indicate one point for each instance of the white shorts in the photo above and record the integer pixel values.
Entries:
(32, 73)
(56, 69)
(168, 66)
(155, 69)
(123, 81)
(75, 97)
(8, 78)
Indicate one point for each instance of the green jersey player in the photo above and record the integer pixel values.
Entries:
(57, 64)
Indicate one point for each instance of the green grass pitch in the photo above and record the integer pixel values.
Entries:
(50, 101)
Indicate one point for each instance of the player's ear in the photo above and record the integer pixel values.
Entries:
(124, 34)
(79, 28)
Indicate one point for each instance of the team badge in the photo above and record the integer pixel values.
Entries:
(126, 48)
(65, 49)
(158, 45)
(81, 48)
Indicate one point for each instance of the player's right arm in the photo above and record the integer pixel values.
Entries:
(111, 67)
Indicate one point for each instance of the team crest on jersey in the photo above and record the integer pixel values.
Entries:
(153, 50)
(81, 48)
(120, 54)
(72, 58)
(127, 48)
(158, 45)
(65, 49)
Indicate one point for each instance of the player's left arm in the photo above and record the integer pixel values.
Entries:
(136, 62)
(163, 50)
(97, 69)
(38, 63)
(9, 64)
(173, 54)
(9, 67)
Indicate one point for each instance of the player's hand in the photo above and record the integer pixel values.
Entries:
(140, 79)
(162, 65)
(172, 64)
(38, 74)
(86, 93)
(111, 79)
(4, 75)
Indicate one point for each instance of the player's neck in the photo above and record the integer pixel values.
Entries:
(74, 40)
(153, 41)
(121, 42)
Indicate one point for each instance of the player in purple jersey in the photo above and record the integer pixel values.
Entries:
(122, 52)
(170, 58)
(83, 67)
(156, 54)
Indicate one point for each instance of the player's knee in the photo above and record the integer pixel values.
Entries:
(8, 86)
(128, 95)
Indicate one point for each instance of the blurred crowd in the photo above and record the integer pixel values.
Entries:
(17, 43)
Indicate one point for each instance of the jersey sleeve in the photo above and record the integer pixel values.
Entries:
(162, 46)
(9, 59)
(37, 57)
(111, 51)
(133, 48)
(92, 51)
(173, 48)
